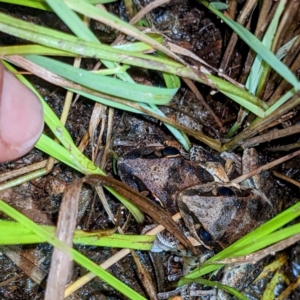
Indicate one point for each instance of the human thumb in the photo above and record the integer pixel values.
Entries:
(21, 117)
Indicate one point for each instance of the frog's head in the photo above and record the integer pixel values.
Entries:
(217, 213)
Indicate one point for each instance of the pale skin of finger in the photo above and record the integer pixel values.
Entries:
(21, 117)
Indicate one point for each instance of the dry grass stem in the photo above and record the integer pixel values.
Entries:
(286, 178)
(18, 172)
(273, 135)
(266, 167)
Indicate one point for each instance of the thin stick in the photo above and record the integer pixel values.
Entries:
(266, 167)
(15, 173)
(273, 135)
(286, 178)
(146, 10)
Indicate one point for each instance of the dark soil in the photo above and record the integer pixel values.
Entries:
(184, 23)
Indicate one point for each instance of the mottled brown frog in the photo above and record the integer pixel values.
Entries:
(213, 211)
(216, 212)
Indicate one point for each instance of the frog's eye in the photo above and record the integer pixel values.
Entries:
(225, 191)
(170, 152)
(152, 155)
(204, 235)
(165, 152)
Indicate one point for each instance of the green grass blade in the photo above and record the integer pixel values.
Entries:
(173, 81)
(219, 5)
(62, 41)
(41, 4)
(33, 49)
(105, 84)
(275, 223)
(235, 127)
(108, 102)
(231, 89)
(243, 250)
(137, 47)
(78, 257)
(247, 104)
(268, 42)
(57, 151)
(258, 66)
(99, 1)
(72, 20)
(38, 4)
(137, 242)
(283, 99)
(15, 233)
(271, 238)
(83, 32)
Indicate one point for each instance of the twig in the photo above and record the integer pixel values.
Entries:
(194, 89)
(286, 178)
(146, 10)
(273, 135)
(284, 148)
(266, 167)
(15, 173)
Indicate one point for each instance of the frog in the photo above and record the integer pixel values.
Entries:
(199, 188)
(215, 211)
(222, 213)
